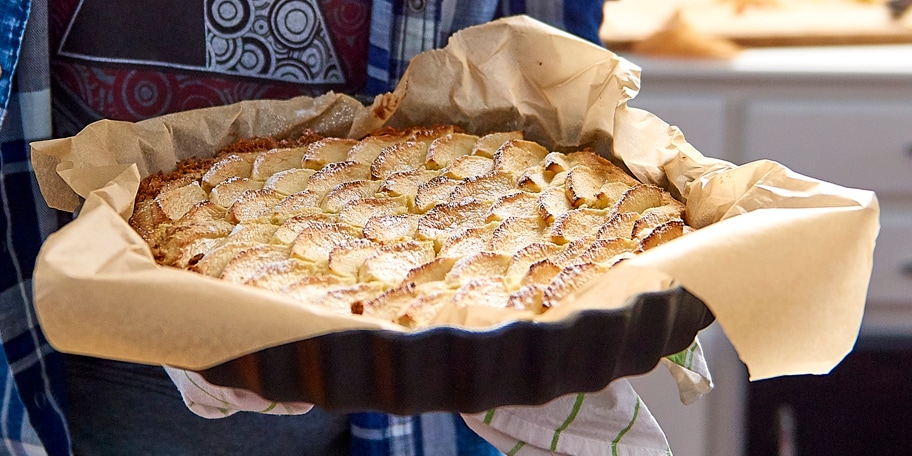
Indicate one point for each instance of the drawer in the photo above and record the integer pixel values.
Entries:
(891, 278)
(700, 118)
(864, 145)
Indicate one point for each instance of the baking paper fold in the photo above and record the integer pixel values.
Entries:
(782, 260)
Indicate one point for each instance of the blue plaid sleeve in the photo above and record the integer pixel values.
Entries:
(429, 434)
(401, 29)
(13, 16)
(31, 417)
(579, 17)
(17, 433)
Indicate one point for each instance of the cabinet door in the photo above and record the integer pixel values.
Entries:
(852, 143)
(700, 118)
(891, 279)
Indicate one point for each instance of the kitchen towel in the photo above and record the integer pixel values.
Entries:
(612, 421)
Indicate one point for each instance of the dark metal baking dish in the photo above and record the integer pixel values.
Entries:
(442, 368)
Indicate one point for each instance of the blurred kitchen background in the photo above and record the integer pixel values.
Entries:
(824, 87)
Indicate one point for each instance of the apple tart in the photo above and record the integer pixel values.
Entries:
(402, 223)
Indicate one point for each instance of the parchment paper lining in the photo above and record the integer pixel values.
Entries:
(782, 260)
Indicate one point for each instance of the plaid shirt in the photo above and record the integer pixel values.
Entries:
(32, 420)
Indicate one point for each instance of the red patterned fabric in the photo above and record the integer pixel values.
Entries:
(144, 58)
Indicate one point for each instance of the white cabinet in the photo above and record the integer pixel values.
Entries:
(828, 114)
(700, 117)
(855, 143)
(891, 280)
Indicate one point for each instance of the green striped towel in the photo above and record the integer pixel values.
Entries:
(614, 421)
(211, 401)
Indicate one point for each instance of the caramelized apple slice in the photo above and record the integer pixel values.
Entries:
(433, 192)
(406, 183)
(515, 204)
(534, 179)
(422, 310)
(392, 263)
(275, 160)
(346, 192)
(610, 192)
(483, 292)
(189, 251)
(180, 244)
(651, 219)
(430, 272)
(576, 223)
(346, 259)
(174, 203)
(245, 264)
(557, 162)
(526, 257)
(569, 280)
(368, 149)
(467, 166)
(398, 157)
(528, 297)
(335, 174)
(325, 151)
(445, 220)
(279, 274)
(584, 187)
(516, 233)
(289, 181)
(487, 145)
(227, 167)
(619, 225)
(389, 304)
(662, 234)
(289, 230)
(541, 273)
(214, 261)
(468, 242)
(487, 187)
(253, 204)
(605, 251)
(301, 203)
(313, 289)
(427, 135)
(515, 156)
(444, 150)
(552, 203)
(482, 264)
(601, 166)
(387, 229)
(207, 214)
(317, 239)
(226, 193)
(573, 250)
(258, 233)
(358, 212)
(639, 198)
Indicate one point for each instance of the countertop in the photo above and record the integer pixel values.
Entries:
(887, 61)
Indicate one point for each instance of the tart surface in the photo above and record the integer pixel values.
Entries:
(403, 223)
